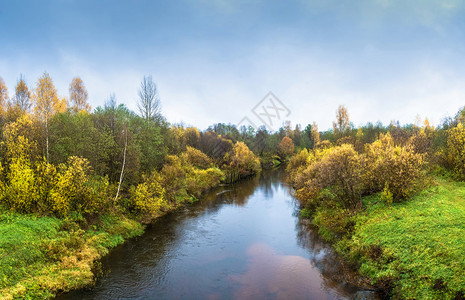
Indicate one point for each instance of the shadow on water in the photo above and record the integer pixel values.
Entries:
(241, 241)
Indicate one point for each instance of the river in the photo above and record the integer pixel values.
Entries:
(242, 241)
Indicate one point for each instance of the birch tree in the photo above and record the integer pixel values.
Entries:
(78, 95)
(22, 98)
(47, 103)
(3, 96)
(149, 102)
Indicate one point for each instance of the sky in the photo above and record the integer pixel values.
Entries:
(214, 61)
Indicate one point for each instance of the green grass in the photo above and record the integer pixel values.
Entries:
(416, 247)
(40, 256)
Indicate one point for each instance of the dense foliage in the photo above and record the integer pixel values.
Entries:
(66, 169)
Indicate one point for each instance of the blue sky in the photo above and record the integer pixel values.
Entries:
(214, 60)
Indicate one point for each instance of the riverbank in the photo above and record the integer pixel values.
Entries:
(41, 256)
(413, 249)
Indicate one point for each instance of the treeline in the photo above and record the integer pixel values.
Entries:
(59, 157)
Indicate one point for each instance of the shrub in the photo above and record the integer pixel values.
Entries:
(196, 158)
(349, 175)
(339, 169)
(188, 175)
(202, 180)
(400, 171)
(76, 190)
(386, 195)
(21, 194)
(148, 198)
(375, 154)
(173, 180)
(455, 154)
(46, 181)
(297, 164)
(241, 162)
(421, 142)
(19, 138)
(396, 167)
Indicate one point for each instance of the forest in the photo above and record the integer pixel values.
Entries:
(76, 181)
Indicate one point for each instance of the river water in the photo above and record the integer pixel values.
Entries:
(242, 241)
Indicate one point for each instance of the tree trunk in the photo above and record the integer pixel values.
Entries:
(122, 169)
(46, 138)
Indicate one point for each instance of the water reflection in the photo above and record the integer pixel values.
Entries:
(241, 241)
(275, 276)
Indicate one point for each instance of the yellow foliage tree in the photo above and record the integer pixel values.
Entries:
(315, 134)
(3, 97)
(201, 180)
(148, 198)
(45, 181)
(196, 158)
(76, 190)
(391, 168)
(22, 99)
(78, 95)
(342, 126)
(285, 148)
(17, 139)
(241, 161)
(47, 103)
(21, 193)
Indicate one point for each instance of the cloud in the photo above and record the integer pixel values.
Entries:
(214, 61)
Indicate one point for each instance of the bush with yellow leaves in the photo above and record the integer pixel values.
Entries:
(455, 151)
(173, 180)
(297, 164)
(21, 193)
(201, 180)
(240, 162)
(148, 198)
(392, 169)
(338, 170)
(196, 158)
(76, 190)
(346, 175)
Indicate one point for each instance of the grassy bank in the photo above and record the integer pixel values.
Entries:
(414, 249)
(40, 256)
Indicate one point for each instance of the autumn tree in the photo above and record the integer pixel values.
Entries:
(341, 126)
(3, 96)
(241, 162)
(315, 134)
(47, 103)
(149, 102)
(285, 148)
(78, 95)
(21, 193)
(22, 98)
